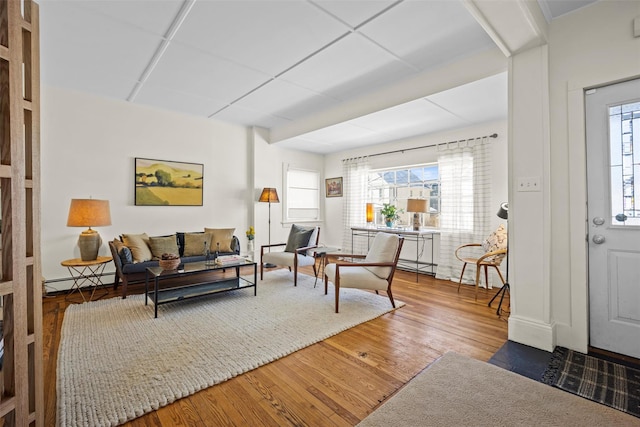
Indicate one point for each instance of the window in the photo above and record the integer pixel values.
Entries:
(302, 197)
(396, 185)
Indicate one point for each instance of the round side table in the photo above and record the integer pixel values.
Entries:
(86, 274)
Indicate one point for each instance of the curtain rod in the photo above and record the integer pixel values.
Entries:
(493, 135)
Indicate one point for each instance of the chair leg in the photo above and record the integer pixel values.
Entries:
(295, 276)
(337, 286)
(461, 274)
(261, 269)
(486, 278)
(326, 283)
(393, 303)
(500, 275)
(477, 279)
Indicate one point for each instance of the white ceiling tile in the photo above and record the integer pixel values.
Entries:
(153, 16)
(247, 117)
(185, 69)
(346, 68)
(82, 49)
(269, 36)
(178, 101)
(428, 33)
(480, 101)
(285, 100)
(354, 12)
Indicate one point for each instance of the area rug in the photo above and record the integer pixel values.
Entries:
(116, 362)
(596, 379)
(456, 390)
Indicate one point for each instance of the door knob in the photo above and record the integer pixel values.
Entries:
(598, 220)
(598, 239)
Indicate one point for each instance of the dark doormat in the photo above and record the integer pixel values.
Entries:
(596, 379)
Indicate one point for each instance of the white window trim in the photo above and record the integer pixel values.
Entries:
(286, 167)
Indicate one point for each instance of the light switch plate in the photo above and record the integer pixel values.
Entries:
(529, 183)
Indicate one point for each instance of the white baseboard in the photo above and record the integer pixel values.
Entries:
(532, 333)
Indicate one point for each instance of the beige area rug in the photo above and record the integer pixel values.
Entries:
(116, 362)
(458, 391)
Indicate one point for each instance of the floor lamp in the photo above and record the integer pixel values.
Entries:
(503, 213)
(269, 195)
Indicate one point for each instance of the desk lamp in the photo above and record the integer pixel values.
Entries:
(417, 206)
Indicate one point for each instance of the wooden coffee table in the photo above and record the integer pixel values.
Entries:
(181, 292)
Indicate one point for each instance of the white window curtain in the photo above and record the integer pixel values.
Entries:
(465, 192)
(354, 185)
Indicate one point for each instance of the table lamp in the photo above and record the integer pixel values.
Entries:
(417, 206)
(89, 213)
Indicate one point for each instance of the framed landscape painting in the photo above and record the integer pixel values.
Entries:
(333, 187)
(168, 183)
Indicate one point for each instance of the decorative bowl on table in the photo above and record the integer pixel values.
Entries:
(169, 262)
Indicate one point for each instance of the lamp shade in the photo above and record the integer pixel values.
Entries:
(416, 205)
(269, 195)
(369, 212)
(89, 213)
(503, 212)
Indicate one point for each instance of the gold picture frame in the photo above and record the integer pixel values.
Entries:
(333, 187)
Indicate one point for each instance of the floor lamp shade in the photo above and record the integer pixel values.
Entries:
(269, 195)
(417, 206)
(89, 213)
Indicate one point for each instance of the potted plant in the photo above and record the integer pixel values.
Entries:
(390, 213)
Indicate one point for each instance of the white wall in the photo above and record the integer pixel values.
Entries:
(88, 150)
(590, 47)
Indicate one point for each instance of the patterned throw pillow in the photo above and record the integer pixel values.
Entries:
(496, 241)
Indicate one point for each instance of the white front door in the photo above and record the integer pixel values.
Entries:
(613, 181)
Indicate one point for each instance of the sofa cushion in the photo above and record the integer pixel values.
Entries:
(222, 236)
(298, 237)
(139, 246)
(163, 245)
(194, 243)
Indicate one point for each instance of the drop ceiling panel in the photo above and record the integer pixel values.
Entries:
(178, 101)
(81, 49)
(354, 13)
(284, 99)
(480, 101)
(152, 16)
(428, 33)
(269, 36)
(247, 117)
(188, 70)
(347, 66)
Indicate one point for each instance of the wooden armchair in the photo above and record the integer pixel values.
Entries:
(295, 256)
(375, 273)
(486, 260)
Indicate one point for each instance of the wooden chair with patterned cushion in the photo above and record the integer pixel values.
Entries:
(494, 250)
(297, 251)
(374, 273)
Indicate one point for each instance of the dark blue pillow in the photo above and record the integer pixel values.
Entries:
(125, 255)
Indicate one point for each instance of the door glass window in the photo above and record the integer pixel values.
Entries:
(624, 142)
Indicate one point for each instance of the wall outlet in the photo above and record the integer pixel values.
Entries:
(529, 183)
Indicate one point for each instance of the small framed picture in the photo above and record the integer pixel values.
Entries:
(333, 187)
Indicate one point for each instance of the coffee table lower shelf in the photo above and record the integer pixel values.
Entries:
(196, 290)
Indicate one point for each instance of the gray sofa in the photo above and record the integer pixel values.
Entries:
(128, 271)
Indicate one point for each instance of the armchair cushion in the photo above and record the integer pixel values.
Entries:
(383, 249)
(354, 276)
(138, 244)
(298, 237)
(222, 236)
(495, 242)
(286, 259)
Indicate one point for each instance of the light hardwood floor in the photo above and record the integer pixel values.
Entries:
(336, 382)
